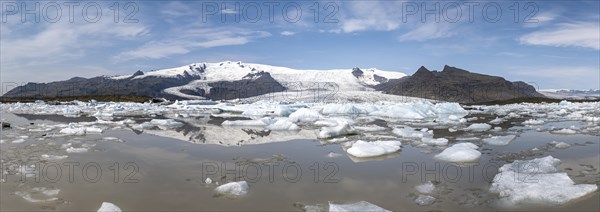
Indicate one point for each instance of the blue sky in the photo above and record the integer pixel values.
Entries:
(551, 44)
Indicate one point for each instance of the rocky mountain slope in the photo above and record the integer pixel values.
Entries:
(225, 80)
(457, 85)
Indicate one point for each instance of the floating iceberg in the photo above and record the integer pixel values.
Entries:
(424, 200)
(364, 149)
(533, 122)
(342, 128)
(479, 127)
(166, 122)
(304, 115)
(462, 152)
(565, 131)
(357, 206)
(425, 188)
(283, 124)
(537, 181)
(109, 207)
(233, 189)
(499, 140)
(54, 157)
(258, 122)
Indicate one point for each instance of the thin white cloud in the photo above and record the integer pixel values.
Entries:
(369, 15)
(184, 41)
(560, 72)
(287, 33)
(428, 31)
(582, 34)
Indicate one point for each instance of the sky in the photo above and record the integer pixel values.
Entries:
(549, 44)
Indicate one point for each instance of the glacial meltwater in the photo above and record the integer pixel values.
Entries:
(266, 156)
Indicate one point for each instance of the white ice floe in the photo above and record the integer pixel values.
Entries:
(304, 115)
(20, 140)
(39, 194)
(357, 206)
(560, 145)
(348, 109)
(565, 131)
(479, 127)
(499, 140)
(497, 120)
(409, 132)
(233, 189)
(370, 128)
(166, 122)
(109, 207)
(425, 188)
(533, 122)
(364, 149)
(283, 124)
(208, 180)
(435, 141)
(537, 182)
(76, 150)
(342, 128)
(73, 131)
(461, 152)
(93, 130)
(54, 157)
(257, 122)
(424, 200)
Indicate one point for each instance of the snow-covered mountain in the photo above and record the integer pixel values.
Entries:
(224, 80)
(571, 94)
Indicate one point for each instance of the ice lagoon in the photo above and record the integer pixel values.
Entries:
(384, 156)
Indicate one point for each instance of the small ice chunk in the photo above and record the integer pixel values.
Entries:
(109, 207)
(357, 206)
(94, 130)
(283, 124)
(497, 120)
(233, 188)
(364, 149)
(115, 139)
(409, 132)
(435, 141)
(166, 122)
(258, 122)
(370, 128)
(425, 188)
(342, 128)
(533, 122)
(424, 200)
(304, 115)
(18, 141)
(333, 155)
(76, 150)
(537, 181)
(73, 131)
(54, 157)
(564, 131)
(499, 140)
(562, 145)
(479, 127)
(208, 180)
(462, 152)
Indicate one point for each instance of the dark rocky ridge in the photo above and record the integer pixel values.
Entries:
(151, 86)
(457, 85)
